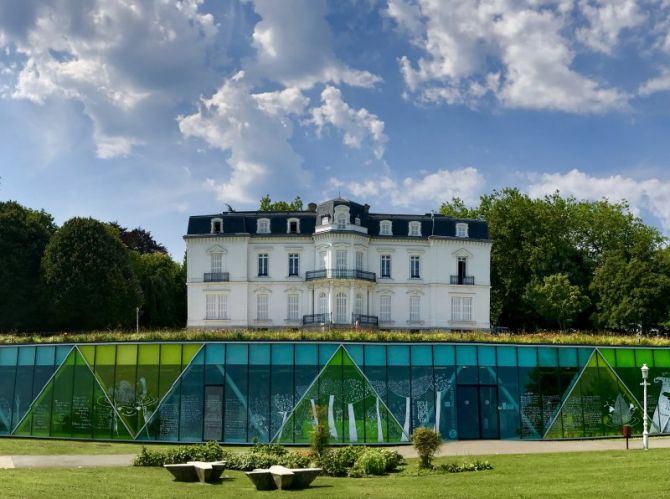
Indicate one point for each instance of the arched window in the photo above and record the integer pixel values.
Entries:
(385, 228)
(414, 228)
(341, 221)
(217, 226)
(263, 226)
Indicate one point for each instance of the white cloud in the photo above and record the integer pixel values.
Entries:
(294, 46)
(282, 102)
(606, 20)
(652, 195)
(256, 137)
(424, 191)
(358, 125)
(659, 84)
(124, 61)
(515, 50)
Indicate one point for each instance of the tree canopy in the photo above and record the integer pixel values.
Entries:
(266, 204)
(138, 239)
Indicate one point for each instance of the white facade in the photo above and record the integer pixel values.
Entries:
(337, 274)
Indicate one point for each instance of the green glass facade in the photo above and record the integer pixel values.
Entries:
(238, 392)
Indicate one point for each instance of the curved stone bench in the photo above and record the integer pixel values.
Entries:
(280, 477)
(193, 471)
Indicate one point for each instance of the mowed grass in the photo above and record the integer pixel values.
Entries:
(627, 474)
(49, 447)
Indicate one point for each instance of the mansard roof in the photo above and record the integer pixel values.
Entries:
(245, 222)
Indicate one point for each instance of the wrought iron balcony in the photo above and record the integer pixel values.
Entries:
(216, 276)
(316, 319)
(462, 279)
(365, 320)
(312, 275)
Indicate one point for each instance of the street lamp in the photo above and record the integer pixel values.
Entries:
(645, 384)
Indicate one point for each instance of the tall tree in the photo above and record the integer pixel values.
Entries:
(24, 233)
(266, 204)
(90, 276)
(557, 300)
(139, 239)
(163, 286)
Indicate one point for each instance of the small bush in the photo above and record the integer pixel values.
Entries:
(426, 442)
(338, 461)
(247, 461)
(275, 449)
(211, 451)
(392, 458)
(454, 467)
(370, 462)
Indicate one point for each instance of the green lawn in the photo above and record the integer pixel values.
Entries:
(589, 474)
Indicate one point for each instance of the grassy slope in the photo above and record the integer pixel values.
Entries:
(577, 338)
(589, 474)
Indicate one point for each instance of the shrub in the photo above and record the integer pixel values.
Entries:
(426, 442)
(475, 465)
(275, 449)
(392, 458)
(370, 462)
(211, 451)
(320, 436)
(338, 461)
(255, 458)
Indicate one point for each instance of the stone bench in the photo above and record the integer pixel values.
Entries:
(280, 477)
(194, 471)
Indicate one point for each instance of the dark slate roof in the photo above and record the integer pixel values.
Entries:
(244, 222)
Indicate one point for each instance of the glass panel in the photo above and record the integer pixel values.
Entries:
(527, 356)
(325, 353)
(62, 352)
(530, 398)
(398, 355)
(282, 355)
(508, 395)
(126, 355)
(215, 353)
(8, 356)
(149, 354)
(584, 355)
(237, 354)
(306, 355)
(444, 355)
(445, 401)
(259, 355)
(189, 350)
(466, 355)
(422, 355)
(192, 403)
(661, 357)
(624, 357)
(7, 375)
(507, 356)
(468, 412)
(375, 355)
(486, 356)
(644, 357)
(82, 399)
(61, 406)
(423, 397)
(26, 356)
(213, 418)
(567, 357)
(148, 390)
(488, 408)
(548, 357)
(45, 356)
(609, 355)
(356, 353)
(236, 406)
(259, 402)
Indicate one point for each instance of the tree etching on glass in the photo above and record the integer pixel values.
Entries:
(401, 388)
(620, 412)
(353, 391)
(660, 422)
(380, 389)
(420, 386)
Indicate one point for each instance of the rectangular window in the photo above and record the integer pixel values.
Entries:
(359, 260)
(293, 264)
(217, 306)
(385, 266)
(293, 310)
(341, 259)
(217, 262)
(461, 230)
(385, 308)
(414, 308)
(461, 308)
(262, 302)
(414, 228)
(322, 260)
(415, 267)
(262, 265)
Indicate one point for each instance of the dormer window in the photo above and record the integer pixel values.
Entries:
(293, 226)
(385, 228)
(325, 220)
(217, 226)
(461, 230)
(263, 226)
(341, 221)
(357, 220)
(415, 228)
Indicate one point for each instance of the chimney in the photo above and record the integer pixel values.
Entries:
(366, 208)
(311, 207)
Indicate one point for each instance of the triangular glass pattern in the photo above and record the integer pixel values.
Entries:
(354, 412)
(598, 404)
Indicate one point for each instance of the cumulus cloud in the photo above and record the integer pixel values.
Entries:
(123, 61)
(358, 125)
(428, 189)
(661, 83)
(515, 51)
(652, 195)
(293, 45)
(251, 130)
(606, 20)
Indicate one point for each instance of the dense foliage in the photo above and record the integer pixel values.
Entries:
(24, 233)
(427, 442)
(558, 261)
(267, 204)
(84, 275)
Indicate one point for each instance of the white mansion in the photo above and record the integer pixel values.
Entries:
(338, 264)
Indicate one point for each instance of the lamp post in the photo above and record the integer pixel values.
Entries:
(645, 423)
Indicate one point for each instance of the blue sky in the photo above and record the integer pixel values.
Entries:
(148, 112)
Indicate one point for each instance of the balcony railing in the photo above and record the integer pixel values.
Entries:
(316, 319)
(364, 320)
(216, 276)
(462, 279)
(312, 275)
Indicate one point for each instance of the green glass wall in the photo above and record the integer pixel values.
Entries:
(239, 392)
